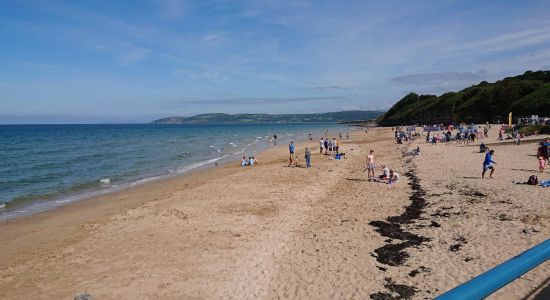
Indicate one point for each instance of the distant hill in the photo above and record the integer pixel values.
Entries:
(343, 116)
(522, 95)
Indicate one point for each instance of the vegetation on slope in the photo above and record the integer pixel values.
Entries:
(343, 116)
(522, 95)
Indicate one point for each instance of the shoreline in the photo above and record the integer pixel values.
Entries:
(9, 211)
(101, 207)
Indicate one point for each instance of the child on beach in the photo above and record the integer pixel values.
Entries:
(385, 173)
(393, 178)
(291, 156)
(244, 162)
(488, 164)
(542, 164)
(370, 165)
(307, 156)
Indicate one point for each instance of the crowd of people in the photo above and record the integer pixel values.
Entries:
(469, 134)
(464, 134)
(330, 147)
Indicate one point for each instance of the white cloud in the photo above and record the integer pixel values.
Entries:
(507, 41)
(133, 56)
(445, 78)
(170, 8)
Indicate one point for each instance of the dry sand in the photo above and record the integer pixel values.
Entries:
(271, 231)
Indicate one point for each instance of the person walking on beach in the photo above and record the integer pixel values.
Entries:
(542, 164)
(321, 145)
(370, 165)
(326, 146)
(335, 146)
(488, 164)
(291, 156)
(546, 149)
(307, 156)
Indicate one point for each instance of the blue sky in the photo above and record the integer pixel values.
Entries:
(134, 61)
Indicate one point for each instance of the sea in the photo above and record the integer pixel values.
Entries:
(46, 166)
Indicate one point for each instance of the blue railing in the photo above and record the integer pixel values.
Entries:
(499, 276)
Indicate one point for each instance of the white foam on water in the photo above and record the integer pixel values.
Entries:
(144, 180)
(63, 201)
(199, 164)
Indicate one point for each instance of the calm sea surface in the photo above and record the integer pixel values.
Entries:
(43, 166)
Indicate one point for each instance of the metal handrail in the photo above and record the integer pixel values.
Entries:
(489, 282)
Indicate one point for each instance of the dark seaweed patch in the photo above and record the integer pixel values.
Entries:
(461, 241)
(455, 247)
(394, 254)
(402, 291)
(413, 273)
(435, 224)
(504, 217)
(473, 193)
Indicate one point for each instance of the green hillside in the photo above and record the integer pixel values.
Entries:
(343, 116)
(522, 95)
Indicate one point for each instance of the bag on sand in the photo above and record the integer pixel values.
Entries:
(533, 180)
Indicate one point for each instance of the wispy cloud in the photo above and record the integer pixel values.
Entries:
(437, 78)
(509, 40)
(264, 100)
(329, 87)
(133, 55)
(170, 8)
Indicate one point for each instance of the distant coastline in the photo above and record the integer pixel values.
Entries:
(221, 118)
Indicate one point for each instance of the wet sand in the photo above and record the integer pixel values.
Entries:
(271, 231)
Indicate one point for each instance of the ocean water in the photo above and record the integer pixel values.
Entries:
(44, 166)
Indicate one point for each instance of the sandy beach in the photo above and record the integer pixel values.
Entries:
(270, 231)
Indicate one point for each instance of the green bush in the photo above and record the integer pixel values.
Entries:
(531, 129)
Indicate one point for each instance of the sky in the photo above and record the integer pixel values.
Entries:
(136, 61)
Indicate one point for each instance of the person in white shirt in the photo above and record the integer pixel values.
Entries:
(385, 173)
(394, 177)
